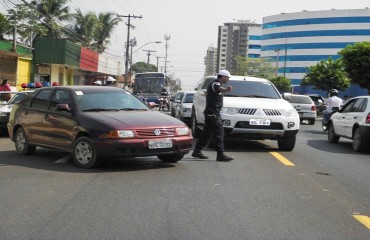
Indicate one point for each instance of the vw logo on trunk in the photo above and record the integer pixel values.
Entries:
(157, 132)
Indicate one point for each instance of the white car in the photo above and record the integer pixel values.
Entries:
(183, 107)
(352, 121)
(305, 107)
(254, 110)
(6, 107)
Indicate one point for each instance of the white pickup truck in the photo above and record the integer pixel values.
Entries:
(253, 110)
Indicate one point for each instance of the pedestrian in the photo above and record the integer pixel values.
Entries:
(213, 122)
(5, 87)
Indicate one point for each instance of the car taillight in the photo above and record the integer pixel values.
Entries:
(313, 108)
(367, 118)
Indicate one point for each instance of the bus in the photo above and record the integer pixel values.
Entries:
(150, 84)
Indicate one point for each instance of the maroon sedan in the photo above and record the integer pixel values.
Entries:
(95, 123)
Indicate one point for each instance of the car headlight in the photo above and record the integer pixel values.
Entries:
(184, 131)
(291, 113)
(116, 134)
(230, 111)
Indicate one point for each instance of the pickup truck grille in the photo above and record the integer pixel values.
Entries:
(247, 111)
(272, 112)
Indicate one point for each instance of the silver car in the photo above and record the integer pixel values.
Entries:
(183, 107)
(305, 107)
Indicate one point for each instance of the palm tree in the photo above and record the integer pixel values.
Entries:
(84, 27)
(4, 26)
(106, 24)
(53, 13)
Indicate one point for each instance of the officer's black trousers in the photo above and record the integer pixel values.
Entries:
(213, 125)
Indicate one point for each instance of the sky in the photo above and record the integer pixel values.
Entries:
(191, 24)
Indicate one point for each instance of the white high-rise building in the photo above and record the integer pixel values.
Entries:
(241, 38)
(295, 41)
(210, 61)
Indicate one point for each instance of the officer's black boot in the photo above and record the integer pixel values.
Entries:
(221, 157)
(199, 154)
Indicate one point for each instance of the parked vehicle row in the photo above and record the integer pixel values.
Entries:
(305, 107)
(181, 106)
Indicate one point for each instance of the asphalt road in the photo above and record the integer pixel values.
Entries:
(317, 191)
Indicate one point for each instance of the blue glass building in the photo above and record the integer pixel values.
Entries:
(295, 41)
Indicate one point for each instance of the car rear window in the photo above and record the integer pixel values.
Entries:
(300, 99)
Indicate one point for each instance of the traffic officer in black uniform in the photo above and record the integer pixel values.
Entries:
(213, 121)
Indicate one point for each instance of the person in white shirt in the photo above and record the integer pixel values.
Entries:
(332, 101)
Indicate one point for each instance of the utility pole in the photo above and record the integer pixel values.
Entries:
(148, 53)
(128, 40)
(166, 37)
(158, 61)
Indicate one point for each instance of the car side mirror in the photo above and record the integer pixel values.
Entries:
(287, 96)
(63, 107)
(335, 109)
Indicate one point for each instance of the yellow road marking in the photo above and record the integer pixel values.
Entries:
(282, 159)
(363, 219)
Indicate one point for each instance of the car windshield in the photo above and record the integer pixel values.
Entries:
(300, 99)
(19, 97)
(253, 89)
(189, 98)
(108, 101)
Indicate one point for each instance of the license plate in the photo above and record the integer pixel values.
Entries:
(264, 122)
(161, 143)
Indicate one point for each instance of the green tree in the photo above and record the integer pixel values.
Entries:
(106, 24)
(52, 15)
(4, 26)
(84, 27)
(356, 61)
(258, 67)
(282, 83)
(26, 21)
(141, 67)
(326, 75)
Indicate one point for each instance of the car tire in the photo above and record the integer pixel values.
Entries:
(311, 121)
(287, 143)
(358, 141)
(21, 143)
(84, 153)
(194, 126)
(173, 158)
(332, 137)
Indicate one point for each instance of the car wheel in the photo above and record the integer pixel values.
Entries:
(358, 144)
(311, 121)
(332, 137)
(171, 158)
(287, 143)
(21, 143)
(84, 153)
(194, 126)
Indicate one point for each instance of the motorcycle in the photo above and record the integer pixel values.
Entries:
(326, 125)
(163, 103)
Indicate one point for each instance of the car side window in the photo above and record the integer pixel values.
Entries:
(60, 97)
(358, 106)
(348, 106)
(41, 99)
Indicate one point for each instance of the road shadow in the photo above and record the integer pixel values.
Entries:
(46, 159)
(344, 146)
